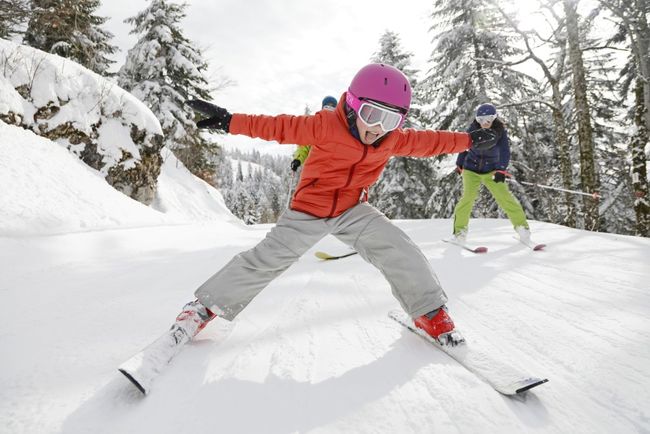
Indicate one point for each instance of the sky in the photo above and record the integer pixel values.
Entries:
(282, 56)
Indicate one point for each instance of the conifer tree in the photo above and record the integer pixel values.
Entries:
(404, 186)
(469, 63)
(164, 69)
(71, 29)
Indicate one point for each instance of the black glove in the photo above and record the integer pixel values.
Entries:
(483, 138)
(217, 118)
(295, 164)
(500, 176)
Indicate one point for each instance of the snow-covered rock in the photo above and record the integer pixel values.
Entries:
(105, 126)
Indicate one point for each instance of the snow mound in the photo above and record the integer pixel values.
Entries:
(186, 197)
(46, 190)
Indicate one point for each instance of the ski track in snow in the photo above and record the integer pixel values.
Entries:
(315, 351)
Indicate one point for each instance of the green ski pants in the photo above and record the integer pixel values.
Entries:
(471, 186)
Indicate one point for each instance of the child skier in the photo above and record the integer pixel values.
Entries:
(349, 148)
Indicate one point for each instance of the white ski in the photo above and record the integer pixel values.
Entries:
(502, 377)
(146, 365)
(530, 244)
(480, 249)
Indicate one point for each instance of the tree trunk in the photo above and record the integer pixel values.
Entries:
(643, 41)
(562, 141)
(639, 172)
(588, 176)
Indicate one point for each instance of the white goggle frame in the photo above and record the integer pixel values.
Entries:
(373, 114)
(485, 118)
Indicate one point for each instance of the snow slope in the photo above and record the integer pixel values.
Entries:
(87, 278)
(315, 351)
(187, 198)
(46, 190)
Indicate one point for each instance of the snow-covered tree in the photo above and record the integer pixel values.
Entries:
(164, 69)
(469, 63)
(633, 32)
(551, 96)
(404, 186)
(71, 29)
(588, 170)
(13, 14)
(257, 185)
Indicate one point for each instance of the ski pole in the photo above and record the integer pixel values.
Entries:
(594, 196)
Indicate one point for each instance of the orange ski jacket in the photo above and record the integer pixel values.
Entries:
(340, 168)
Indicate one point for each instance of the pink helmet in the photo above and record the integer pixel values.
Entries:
(382, 83)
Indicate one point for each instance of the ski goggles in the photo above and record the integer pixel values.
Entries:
(485, 119)
(373, 114)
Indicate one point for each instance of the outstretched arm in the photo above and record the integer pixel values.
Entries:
(412, 143)
(281, 128)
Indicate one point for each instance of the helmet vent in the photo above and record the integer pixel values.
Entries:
(385, 81)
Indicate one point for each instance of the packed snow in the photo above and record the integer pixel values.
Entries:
(90, 276)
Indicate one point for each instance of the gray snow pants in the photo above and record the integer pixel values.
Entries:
(362, 227)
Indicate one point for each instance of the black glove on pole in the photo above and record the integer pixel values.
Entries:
(295, 164)
(217, 118)
(500, 176)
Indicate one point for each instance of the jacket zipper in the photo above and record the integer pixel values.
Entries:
(336, 193)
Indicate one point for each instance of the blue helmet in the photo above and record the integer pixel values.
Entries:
(486, 109)
(329, 101)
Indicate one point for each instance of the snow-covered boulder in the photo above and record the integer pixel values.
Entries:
(105, 126)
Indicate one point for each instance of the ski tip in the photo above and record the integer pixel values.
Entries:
(539, 247)
(481, 250)
(324, 256)
(133, 381)
(531, 384)
(327, 257)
